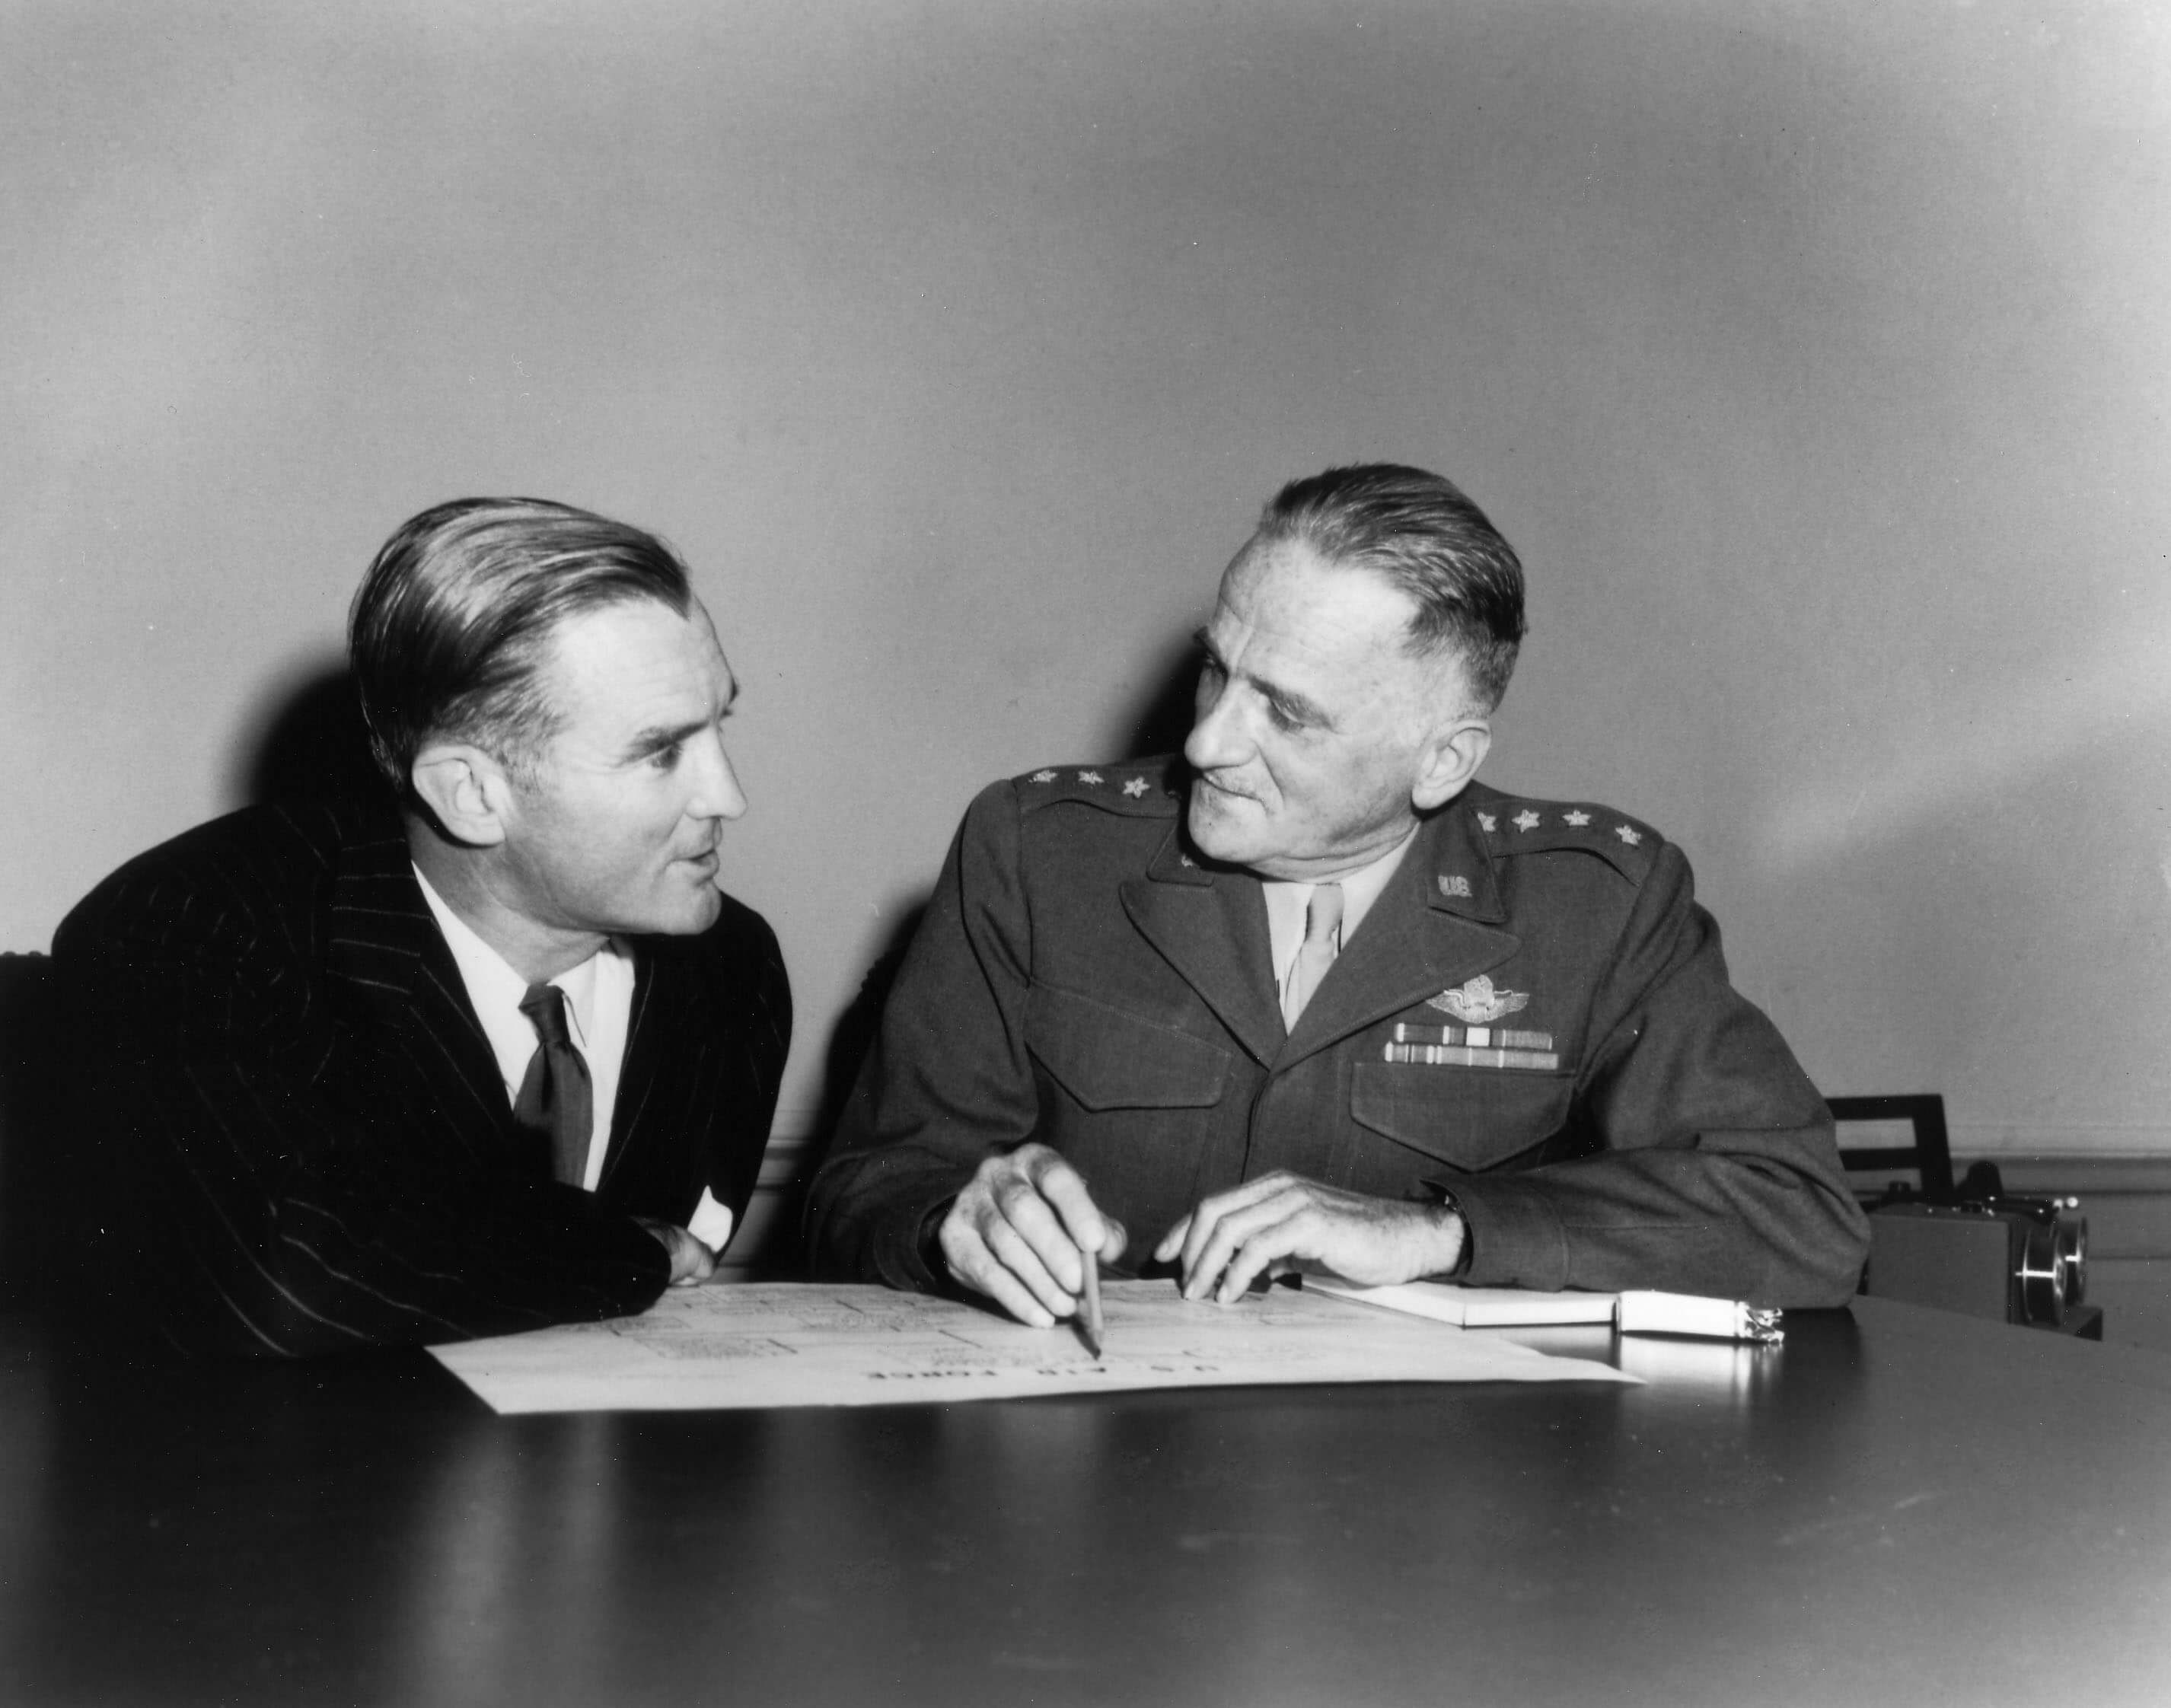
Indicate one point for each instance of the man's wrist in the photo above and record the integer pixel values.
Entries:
(1453, 1228)
(927, 1243)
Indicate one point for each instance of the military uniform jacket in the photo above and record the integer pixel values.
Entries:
(1535, 1017)
(308, 1139)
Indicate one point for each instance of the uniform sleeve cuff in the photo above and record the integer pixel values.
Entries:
(1514, 1237)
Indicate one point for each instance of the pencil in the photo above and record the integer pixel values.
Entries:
(1091, 1328)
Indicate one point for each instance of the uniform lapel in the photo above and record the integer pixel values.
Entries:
(1210, 925)
(1438, 923)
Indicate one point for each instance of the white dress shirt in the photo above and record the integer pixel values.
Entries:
(599, 1009)
(1289, 899)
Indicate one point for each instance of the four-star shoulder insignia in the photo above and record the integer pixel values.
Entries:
(1131, 788)
(1516, 829)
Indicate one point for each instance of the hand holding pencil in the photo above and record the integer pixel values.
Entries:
(1026, 1232)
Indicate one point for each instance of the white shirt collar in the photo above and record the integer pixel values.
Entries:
(1289, 898)
(496, 990)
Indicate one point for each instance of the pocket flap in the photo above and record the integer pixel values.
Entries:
(1469, 1119)
(1107, 1058)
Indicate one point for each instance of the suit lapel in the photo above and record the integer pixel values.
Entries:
(647, 1022)
(389, 961)
(1437, 924)
(671, 1038)
(1210, 925)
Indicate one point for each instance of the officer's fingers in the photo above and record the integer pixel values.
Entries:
(974, 1265)
(1033, 1219)
(990, 1277)
(1199, 1226)
(1172, 1241)
(1263, 1252)
(1112, 1246)
(1012, 1250)
(1216, 1235)
(1064, 1188)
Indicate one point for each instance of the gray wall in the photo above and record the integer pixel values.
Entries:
(1813, 356)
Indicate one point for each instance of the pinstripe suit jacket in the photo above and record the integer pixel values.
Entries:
(308, 1142)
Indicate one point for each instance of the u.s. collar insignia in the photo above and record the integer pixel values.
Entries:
(1453, 884)
(1477, 1003)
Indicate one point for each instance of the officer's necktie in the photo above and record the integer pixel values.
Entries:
(556, 1102)
(1323, 932)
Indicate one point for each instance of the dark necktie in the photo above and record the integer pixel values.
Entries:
(556, 1102)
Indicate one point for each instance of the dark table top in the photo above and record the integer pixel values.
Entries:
(1897, 1506)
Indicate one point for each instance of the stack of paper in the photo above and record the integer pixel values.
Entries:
(1637, 1313)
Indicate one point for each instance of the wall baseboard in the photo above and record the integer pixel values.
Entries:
(1998, 1140)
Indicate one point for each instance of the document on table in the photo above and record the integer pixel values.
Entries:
(718, 1347)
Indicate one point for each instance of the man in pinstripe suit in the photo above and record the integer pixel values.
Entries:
(501, 1057)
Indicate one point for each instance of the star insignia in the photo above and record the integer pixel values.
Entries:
(1578, 819)
(1089, 776)
(1631, 837)
(1043, 777)
(1487, 823)
(1527, 820)
(1135, 787)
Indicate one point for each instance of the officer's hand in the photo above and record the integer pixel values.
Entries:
(1281, 1221)
(691, 1262)
(1017, 1230)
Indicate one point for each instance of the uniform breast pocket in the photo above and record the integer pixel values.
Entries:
(1469, 1119)
(1106, 1058)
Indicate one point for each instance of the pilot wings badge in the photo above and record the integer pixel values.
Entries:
(1477, 1003)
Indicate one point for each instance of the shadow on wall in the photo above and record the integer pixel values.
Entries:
(310, 741)
(779, 1255)
(1160, 719)
(310, 744)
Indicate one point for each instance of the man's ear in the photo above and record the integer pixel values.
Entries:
(467, 790)
(1449, 760)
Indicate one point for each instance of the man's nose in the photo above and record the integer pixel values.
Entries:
(1217, 739)
(716, 792)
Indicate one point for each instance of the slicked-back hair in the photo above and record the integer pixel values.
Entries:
(1421, 534)
(451, 630)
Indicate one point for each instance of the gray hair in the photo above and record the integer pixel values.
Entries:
(1426, 537)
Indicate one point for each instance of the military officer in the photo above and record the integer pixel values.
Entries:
(1313, 998)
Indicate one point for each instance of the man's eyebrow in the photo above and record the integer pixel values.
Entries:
(1291, 705)
(658, 737)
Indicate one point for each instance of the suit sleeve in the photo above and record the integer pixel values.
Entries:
(1710, 1165)
(947, 1083)
(268, 1197)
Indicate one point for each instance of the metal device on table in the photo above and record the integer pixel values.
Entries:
(1987, 1253)
(1966, 1246)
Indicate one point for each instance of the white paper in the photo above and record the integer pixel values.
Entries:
(783, 1344)
(1475, 1307)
